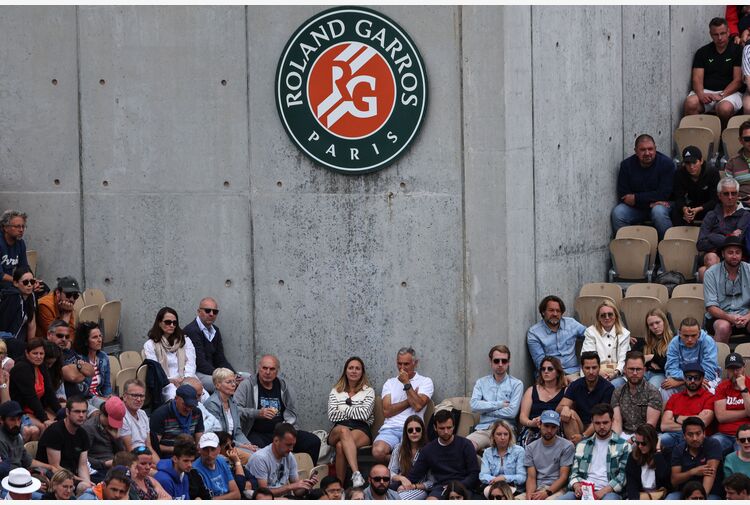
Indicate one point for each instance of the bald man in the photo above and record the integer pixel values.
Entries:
(206, 338)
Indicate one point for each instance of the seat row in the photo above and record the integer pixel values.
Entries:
(635, 248)
(704, 132)
(93, 306)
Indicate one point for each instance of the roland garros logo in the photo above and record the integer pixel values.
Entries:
(351, 89)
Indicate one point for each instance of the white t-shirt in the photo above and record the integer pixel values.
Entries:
(648, 477)
(598, 467)
(135, 427)
(395, 389)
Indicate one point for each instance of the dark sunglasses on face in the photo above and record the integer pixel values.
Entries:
(744, 440)
(62, 335)
(607, 315)
(504, 361)
(211, 311)
(71, 296)
(547, 369)
(496, 497)
(641, 444)
(416, 429)
(28, 282)
(746, 139)
(169, 322)
(378, 478)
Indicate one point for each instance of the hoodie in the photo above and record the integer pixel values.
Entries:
(703, 352)
(177, 486)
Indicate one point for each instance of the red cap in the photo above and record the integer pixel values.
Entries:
(115, 411)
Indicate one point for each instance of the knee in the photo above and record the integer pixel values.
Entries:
(339, 446)
(721, 326)
(380, 451)
(710, 259)
(692, 105)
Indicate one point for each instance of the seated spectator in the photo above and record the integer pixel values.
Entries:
(61, 486)
(734, 14)
(20, 484)
(102, 429)
(172, 473)
(168, 346)
(693, 191)
(176, 417)
(447, 458)
(145, 486)
(504, 460)
(454, 490)
(600, 459)
(217, 476)
(545, 394)
(53, 361)
(691, 345)
(730, 405)
(611, 340)
(241, 476)
(12, 452)
(379, 480)
(64, 444)
(737, 487)
(548, 461)
(404, 455)
(17, 312)
(265, 400)
(738, 461)
(351, 406)
(693, 401)
(726, 219)
(115, 486)
(74, 369)
(135, 431)
(647, 470)
(737, 166)
(352, 493)
(726, 294)
(696, 459)
(332, 488)
(500, 491)
(12, 247)
(403, 396)
(210, 422)
(275, 467)
(207, 341)
(581, 396)
(6, 363)
(555, 336)
(716, 76)
(658, 336)
(693, 490)
(495, 397)
(58, 304)
(222, 406)
(87, 345)
(635, 402)
(31, 386)
(644, 185)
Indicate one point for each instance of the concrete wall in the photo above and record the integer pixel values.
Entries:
(154, 166)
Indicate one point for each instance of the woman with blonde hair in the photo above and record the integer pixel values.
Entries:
(223, 407)
(611, 340)
(351, 406)
(658, 336)
(61, 486)
(503, 461)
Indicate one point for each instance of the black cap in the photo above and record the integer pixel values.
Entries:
(693, 367)
(11, 408)
(68, 285)
(691, 154)
(734, 360)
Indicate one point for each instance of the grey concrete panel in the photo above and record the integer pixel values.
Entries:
(577, 142)
(39, 132)
(646, 105)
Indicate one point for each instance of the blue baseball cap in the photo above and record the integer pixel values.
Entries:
(550, 417)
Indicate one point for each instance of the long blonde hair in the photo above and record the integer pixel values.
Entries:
(655, 344)
(343, 383)
(618, 327)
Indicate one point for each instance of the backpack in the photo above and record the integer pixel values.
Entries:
(670, 280)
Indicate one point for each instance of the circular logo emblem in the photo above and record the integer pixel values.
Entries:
(351, 89)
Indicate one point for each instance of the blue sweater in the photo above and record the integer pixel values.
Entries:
(650, 184)
(177, 486)
(456, 461)
(703, 352)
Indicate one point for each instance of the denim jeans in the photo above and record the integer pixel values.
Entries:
(670, 439)
(625, 215)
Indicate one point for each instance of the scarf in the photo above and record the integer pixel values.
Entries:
(183, 421)
(162, 348)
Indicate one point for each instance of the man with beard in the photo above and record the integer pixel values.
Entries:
(548, 460)
(726, 289)
(447, 458)
(556, 336)
(580, 398)
(58, 304)
(74, 369)
(380, 478)
(636, 402)
(12, 453)
(103, 432)
(732, 403)
(600, 459)
(696, 459)
(693, 401)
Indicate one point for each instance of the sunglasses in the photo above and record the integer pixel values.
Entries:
(746, 139)
(211, 311)
(729, 193)
(693, 378)
(743, 440)
(607, 315)
(378, 478)
(496, 497)
(504, 361)
(641, 444)
(62, 335)
(229, 445)
(547, 369)
(71, 296)
(169, 322)
(416, 429)
(28, 282)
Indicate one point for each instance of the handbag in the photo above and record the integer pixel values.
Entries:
(654, 494)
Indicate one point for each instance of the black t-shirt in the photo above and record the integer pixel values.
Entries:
(70, 446)
(718, 68)
(269, 398)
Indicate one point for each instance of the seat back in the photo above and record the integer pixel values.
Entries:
(585, 308)
(684, 232)
(658, 291)
(709, 121)
(691, 290)
(731, 139)
(31, 259)
(630, 257)
(461, 402)
(466, 424)
(609, 289)
(682, 307)
(114, 367)
(647, 233)
(31, 448)
(125, 375)
(378, 416)
(89, 313)
(702, 138)
(428, 411)
(679, 255)
(93, 296)
(634, 309)
(722, 351)
(736, 121)
(130, 359)
(110, 316)
(304, 464)
(140, 374)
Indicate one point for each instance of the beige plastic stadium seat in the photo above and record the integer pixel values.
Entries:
(709, 121)
(736, 121)
(658, 291)
(682, 307)
(31, 259)
(723, 350)
(78, 305)
(114, 366)
(731, 139)
(130, 359)
(702, 138)
(692, 290)
(125, 375)
(377, 423)
(110, 316)
(679, 255)
(305, 467)
(647, 233)
(585, 308)
(89, 313)
(463, 403)
(634, 310)
(630, 258)
(684, 232)
(31, 448)
(93, 296)
(609, 289)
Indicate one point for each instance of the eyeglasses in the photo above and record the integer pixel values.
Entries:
(547, 369)
(504, 361)
(17, 226)
(336, 490)
(607, 315)
(743, 440)
(62, 335)
(415, 429)
(71, 296)
(169, 322)
(729, 193)
(210, 311)
(693, 378)
(634, 370)
(137, 396)
(28, 282)
(378, 478)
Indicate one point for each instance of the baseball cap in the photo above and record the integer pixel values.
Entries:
(691, 154)
(11, 408)
(68, 285)
(208, 439)
(693, 367)
(188, 394)
(734, 360)
(550, 417)
(115, 411)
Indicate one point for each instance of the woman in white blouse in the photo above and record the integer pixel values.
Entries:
(611, 340)
(167, 345)
(350, 408)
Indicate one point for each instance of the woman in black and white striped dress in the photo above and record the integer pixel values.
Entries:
(350, 409)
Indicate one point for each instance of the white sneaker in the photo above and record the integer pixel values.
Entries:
(357, 480)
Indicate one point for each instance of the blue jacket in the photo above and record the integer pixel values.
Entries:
(704, 352)
(177, 486)
(650, 184)
(82, 388)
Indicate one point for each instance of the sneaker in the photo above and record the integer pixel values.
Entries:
(357, 480)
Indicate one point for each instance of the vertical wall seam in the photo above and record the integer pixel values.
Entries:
(622, 91)
(80, 152)
(251, 245)
(466, 283)
(533, 156)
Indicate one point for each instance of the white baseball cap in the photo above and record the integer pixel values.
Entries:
(209, 439)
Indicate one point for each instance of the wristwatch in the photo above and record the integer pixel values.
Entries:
(78, 365)
(407, 386)
(743, 390)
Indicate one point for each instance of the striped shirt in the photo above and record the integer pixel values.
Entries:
(361, 409)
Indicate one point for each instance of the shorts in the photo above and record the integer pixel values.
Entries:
(735, 99)
(709, 326)
(354, 424)
(390, 436)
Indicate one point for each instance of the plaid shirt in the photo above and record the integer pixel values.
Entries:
(617, 458)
